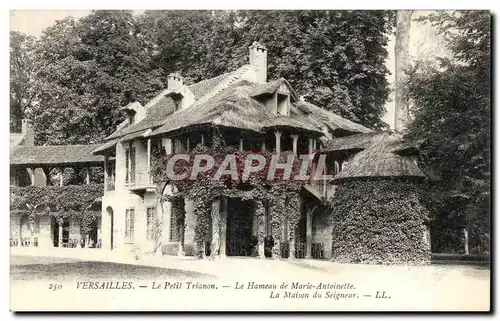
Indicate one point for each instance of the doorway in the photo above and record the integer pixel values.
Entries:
(241, 239)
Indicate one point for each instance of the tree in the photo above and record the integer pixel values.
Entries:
(401, 51)
(335, 59)
(86, 71)
(452, 110)
(21, 77)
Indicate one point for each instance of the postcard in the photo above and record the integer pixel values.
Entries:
(291, 160)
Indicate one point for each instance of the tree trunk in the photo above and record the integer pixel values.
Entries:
(215, 228)
(466, 241)
(401, 51)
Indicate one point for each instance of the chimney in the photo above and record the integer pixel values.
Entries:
(174, 82)
(258, 58)
(28, 133)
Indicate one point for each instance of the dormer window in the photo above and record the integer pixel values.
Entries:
(283, 105)
(177, 98)
(134, 112)
(131, 117)
(178, 92)
(276, 95)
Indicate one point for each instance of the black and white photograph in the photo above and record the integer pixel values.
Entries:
(250, 160)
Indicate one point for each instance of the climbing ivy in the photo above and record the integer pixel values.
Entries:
(281, 195)
(61, 202)
(379, 222)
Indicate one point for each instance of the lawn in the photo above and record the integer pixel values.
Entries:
(27, 268)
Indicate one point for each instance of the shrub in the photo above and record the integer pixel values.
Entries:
(379, 222)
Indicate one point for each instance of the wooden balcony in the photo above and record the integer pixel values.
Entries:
(322, 190)
(142, 181)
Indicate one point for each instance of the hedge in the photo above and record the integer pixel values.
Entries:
(379, 222)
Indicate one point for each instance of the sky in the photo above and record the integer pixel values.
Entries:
(423, 38)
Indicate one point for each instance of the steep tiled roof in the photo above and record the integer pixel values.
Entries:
(109, 145)
(378, 160)
(160, 107)
(203, 87)
(55, 155)
(352, 142)
(227, 100)
(233, 107)
(332, 120)
(271, 86)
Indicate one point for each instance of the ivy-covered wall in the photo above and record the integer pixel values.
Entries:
(62, 202)
(281, 195)
(379, 222)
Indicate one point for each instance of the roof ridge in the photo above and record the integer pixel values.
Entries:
(156, 98)
(224, 84)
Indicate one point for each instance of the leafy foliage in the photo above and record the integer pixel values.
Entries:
(86, 70)
(62, 202)
(452, 110)
(379, 222)
(21, 77)
(73, 80)
(280, 195)
(333, 58)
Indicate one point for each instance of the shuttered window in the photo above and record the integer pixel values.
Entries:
(129, 225)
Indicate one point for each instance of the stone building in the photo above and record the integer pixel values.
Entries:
(249, 112)
(43, 167)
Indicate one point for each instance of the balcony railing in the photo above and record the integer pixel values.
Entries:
(321, 189)
(317, 250)
(141, 180)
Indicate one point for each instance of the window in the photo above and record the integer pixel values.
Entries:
(150, 222)
(130, 165)
(127, 158)
(129, 225)
(282, 105)
(174, 229)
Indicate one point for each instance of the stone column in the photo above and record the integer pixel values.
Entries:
(106, 178)
(295, 140)
(215, 246)
(310, 146)
(31, 222)
(180, 251)
(167, 213)
(241, 144)
(98, 231)
(261, 227)
(31, 173)
(45, 234)
(263, 144)
(223, 227)
(87, 176)
(278, 141)
(61, 177)
(202, 139)
(60, 240)
(149, 155)
(309, 234)
(291, 233)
